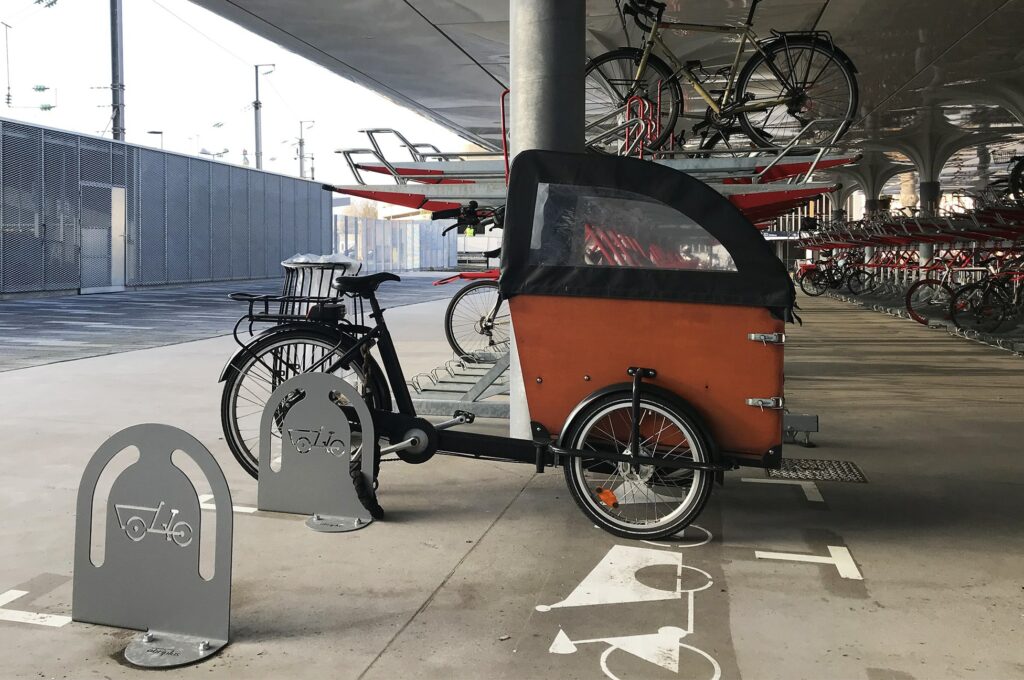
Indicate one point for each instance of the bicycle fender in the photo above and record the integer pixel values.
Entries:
(239, 354)
(627, 388)
(822, 37)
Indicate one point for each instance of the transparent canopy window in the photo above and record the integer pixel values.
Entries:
(579, 226)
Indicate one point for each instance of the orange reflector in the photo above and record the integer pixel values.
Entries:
(607, 496)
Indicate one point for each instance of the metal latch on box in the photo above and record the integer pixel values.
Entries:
(776, 403)
(768, 338)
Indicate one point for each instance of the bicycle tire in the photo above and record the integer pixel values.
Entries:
(978, 307)
(455, 315)
(845, 111)
(860, 281)
(378, 394)
(814, 283)
(928, 300)
(670, 87)
(592, 502)
(1016, 181)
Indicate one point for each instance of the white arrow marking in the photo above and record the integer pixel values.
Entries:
(839, 557)
(810, 488)
(614, 579)
(33, 618)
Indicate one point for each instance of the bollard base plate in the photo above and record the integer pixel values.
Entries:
(165, 650)
(333, 524)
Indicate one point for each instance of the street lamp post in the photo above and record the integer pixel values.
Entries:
(256, 106)
(302, 146)
(117, 68)
(157, 132)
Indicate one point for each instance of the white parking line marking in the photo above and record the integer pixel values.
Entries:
(839, 557)
(205, 504)
(33, 618)
(810, 488)
(704, 538)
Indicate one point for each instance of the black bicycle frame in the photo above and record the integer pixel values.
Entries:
(540, 452)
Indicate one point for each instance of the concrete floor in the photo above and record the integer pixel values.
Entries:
(448, 586)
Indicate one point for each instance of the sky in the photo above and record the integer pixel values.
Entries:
(189, 73)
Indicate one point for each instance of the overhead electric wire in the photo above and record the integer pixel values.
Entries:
(212, 40)
(385, 90)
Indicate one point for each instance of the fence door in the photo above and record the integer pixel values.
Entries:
(103, 225)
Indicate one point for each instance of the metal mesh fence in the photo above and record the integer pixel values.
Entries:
(69, 204)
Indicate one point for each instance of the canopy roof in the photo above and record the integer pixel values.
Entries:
(448, 59)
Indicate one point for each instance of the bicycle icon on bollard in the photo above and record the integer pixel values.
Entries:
(136, 528)
(305, 441)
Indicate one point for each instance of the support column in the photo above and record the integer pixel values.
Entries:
(930, 193)
(547, 56)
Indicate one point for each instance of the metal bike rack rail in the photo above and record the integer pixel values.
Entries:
(464, 385)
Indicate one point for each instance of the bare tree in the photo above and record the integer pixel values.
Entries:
(361, 208)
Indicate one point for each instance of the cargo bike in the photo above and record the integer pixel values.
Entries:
(649, 316)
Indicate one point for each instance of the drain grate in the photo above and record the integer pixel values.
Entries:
(811, 470)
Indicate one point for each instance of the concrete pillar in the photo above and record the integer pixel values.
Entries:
(925, 252)
(869, 252)
(871, 205)
(930, 193)
(547, 57)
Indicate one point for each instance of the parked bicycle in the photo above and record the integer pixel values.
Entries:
(815, 278)
(992, 303)
(796, 84)
(477, 319)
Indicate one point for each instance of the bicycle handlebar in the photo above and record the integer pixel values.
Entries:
(650, 9)
(450, 214)
(471, 215)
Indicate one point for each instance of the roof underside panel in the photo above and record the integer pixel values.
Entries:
(448, 59)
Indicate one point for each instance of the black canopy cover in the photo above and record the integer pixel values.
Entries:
(586, 225)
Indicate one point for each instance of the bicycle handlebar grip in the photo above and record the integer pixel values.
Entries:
(452, 213)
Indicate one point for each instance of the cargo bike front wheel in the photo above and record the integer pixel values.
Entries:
(638, 501)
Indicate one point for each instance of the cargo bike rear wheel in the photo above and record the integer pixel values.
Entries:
(645, 501)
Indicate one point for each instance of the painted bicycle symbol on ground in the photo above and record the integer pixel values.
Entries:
(132, 518)
(305, 441)
(616, 581)
(661, 649)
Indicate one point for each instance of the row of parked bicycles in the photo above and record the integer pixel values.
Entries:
(971, 277)
(975, 289)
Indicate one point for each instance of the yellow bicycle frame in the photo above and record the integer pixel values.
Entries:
(746, 34)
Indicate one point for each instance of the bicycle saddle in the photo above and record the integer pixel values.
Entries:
(363, 285)
(492, 253)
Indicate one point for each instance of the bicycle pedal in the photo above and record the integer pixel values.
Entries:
(466, 415)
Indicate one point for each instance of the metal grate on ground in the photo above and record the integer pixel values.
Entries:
(812, 470)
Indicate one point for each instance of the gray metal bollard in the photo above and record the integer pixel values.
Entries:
(317, 446)
(150, 579)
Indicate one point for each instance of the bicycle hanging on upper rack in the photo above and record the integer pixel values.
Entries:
(797, 84)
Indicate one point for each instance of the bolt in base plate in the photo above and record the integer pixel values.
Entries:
(165, 650)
